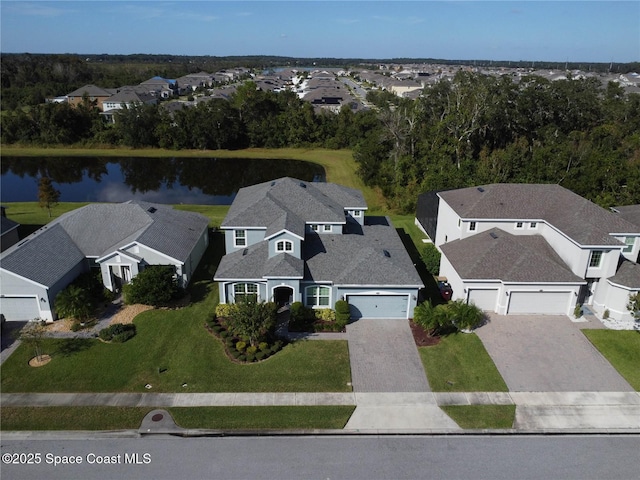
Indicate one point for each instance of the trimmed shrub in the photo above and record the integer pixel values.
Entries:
(155, 286)
(225, 333)
(225, 309)
(343, 313)
(236, 354)
(118, 332)
(240, 346)
(263, 346)
(430, 255)
(251, 350)
(251, 357)
(75, 326)
(261, 355)
(297, 311)
(325, 314)
(606, 314)
(242, 358)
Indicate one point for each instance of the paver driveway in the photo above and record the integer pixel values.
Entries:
(547, 353)
(384, 357)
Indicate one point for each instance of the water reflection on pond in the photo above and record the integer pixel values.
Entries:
(200, 181)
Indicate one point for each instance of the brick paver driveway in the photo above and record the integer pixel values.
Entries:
(384, 357)
(547, 353)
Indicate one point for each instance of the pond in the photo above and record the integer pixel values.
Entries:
(197, 181)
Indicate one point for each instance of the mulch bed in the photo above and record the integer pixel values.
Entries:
(421, 336)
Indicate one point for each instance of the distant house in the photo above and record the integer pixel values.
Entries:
(159, 87)
(92, 93)
(126, 98)
(119, 240)
(8, 232)
(532, 249)
(289, 240)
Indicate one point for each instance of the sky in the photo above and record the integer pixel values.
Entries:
(556, 31)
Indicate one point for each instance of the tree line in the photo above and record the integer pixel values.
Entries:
(475, 129)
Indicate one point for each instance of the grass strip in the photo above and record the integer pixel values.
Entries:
(460, 363)
(482, 416)
(223, 418)
(622, 349)
(72, 418)
(272, 417)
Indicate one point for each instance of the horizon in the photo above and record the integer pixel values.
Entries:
(501, 31)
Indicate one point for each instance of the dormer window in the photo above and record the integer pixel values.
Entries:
(326, 228)
(314, 228)
(629, 241)
(595, 259)
(240, 238)
(357, 213)
(284, 246)
(519, 225)
(472, 226)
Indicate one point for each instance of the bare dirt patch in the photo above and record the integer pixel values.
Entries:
(127, 313)
(40, 361)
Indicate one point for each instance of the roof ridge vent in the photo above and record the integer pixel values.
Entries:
(245, 251)
(303, 185)
(152, 209)
(386, 253)
(481, 190)
(493, 235)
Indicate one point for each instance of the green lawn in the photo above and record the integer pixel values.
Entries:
(172, 348)
(460, 363)
(622, 349)
(126, 418)
(482, 416)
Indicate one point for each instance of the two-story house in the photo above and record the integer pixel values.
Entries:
(289, 240)
(532, 249)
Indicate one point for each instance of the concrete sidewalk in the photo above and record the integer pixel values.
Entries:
(408, 412)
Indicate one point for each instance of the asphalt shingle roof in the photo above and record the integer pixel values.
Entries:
(578, 218)
(263, 204)
(98, 229)
(631, 213)
(45, 258)
(628, 275)
(496, 254)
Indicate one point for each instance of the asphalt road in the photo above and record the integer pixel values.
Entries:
(329, 457)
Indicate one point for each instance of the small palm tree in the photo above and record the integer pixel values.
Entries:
(73, 302)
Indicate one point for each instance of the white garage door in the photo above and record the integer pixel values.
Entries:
(485, 299)
(543, 303)
(19, 308)
(378, 306)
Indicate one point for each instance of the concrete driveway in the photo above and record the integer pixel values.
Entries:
(547, 353)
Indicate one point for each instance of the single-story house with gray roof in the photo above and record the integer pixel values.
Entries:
(118, 239)
(532, 249)
(289, 240)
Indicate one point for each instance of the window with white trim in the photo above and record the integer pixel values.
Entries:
(519, 225)
(240, 238)
(314, 227)
(472, 226)
(533, 225)
(284, 246)
(245, 292)
(629, 241)
(595, 259)
(357, 213)
(318, 296)
(326, 228)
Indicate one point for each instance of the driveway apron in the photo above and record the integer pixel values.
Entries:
(384, 357)
(547, 353)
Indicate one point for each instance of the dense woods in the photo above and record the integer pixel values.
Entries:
(472, 130)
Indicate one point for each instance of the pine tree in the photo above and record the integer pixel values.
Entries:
(48, 196)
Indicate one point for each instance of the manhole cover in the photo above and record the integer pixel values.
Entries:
(157, 417)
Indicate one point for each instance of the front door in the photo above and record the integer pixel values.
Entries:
(283, 296)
